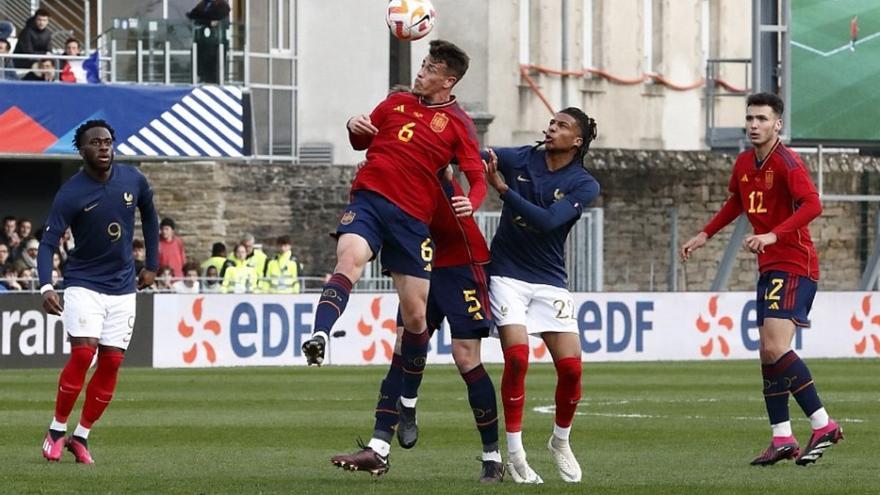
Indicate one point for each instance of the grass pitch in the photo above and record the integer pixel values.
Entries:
(643, 428)
(834, 90)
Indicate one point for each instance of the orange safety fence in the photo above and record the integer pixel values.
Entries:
(525, 69)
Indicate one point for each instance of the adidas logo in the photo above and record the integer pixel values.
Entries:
(399, 108)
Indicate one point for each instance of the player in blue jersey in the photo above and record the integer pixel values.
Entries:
(98, 204)
(544, 189)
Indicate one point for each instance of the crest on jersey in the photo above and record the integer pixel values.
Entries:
(768, 179)
(438, 123)
(128, 198)
(347, 218)
(557, 195)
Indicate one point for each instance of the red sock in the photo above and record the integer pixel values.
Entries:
(101, 386)
(568, 390)
(71, 380)
(513, 386)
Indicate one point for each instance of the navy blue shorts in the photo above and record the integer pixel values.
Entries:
(785, 295)
(404, 242)
(461, 295)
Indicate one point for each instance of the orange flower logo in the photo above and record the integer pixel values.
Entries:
(704, 326)
(366, 329)
(540, 350)
(187, 331)
(858, 325)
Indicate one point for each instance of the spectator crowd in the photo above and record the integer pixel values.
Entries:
(35, 38)
(246, 269)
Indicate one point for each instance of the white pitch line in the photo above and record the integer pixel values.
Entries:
(552, 410)
(836, 50)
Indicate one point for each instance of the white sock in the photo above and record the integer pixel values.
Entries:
(408, 402)
(323, 335)
(560, 432)
(57, 426)
(82, 432)
(380, 447)
(514, 442)
(781, 429)
(492, 456)
(819, 419)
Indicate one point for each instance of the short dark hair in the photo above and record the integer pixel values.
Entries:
(72, 40)
(8, 218)
(455, 58)
(218, 249)
(766, 99)
(137, 244)
(190, 265)
(4, 40)
(587, 126)
(90, 124)
(42, 13)
(284, 239)
(167, 221)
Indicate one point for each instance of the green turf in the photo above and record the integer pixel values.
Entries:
(648, 428)
(835, 97)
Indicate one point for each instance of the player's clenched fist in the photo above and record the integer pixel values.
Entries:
(361, 125)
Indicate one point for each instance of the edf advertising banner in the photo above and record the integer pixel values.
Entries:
(255, 330)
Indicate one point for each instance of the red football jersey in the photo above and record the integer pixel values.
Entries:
(457, 240)
(778, 196)
(415, 141)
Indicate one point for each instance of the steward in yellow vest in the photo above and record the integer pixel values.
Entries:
(282, 272)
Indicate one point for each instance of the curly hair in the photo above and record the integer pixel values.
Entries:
(89, 124)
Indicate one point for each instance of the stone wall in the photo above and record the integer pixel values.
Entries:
(640, 189)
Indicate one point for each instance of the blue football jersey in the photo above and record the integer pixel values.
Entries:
(101, 217)
(539, 210)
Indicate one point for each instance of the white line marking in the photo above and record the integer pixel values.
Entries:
(836, 50)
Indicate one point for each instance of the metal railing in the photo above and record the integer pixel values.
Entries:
(104, 66)
(584, 256)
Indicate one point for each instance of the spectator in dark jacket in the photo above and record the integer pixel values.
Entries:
(34, 38)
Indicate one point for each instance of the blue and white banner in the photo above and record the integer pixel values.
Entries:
(150, 121)
(260, 330)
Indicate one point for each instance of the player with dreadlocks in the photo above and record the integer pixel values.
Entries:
(545, 188)
(98, 204)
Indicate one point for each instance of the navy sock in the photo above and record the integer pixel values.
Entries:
(332, 303)
(414, 351)
(481, 396)
(801, 386)
(776, 388)
(386, 407)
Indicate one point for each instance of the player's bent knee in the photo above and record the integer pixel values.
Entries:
(466, 356)
(517, 363)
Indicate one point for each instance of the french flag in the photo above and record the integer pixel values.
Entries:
(82, 71)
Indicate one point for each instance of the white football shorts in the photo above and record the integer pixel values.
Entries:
(108, 318)
(541, 308)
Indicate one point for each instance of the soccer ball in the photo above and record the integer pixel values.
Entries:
(410, 19)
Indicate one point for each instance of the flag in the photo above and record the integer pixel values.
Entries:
(92, 68)
(81, 71)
